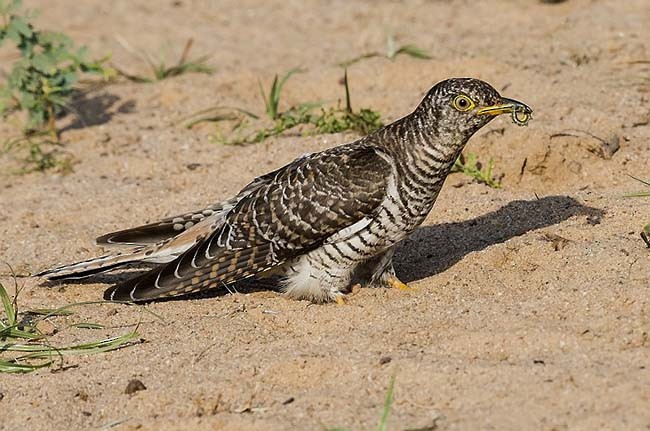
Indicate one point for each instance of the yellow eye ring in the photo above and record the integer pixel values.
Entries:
(462, 103)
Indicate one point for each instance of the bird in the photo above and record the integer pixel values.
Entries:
(323, 223)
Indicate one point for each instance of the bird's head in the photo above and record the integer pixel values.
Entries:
(458, 107)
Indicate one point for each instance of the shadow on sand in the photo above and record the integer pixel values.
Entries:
(96, 109)
(432, 249)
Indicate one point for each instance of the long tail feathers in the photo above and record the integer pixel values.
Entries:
(97, 265)
(192, 272)
(163, 252)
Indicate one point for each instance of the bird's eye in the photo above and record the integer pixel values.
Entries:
(462, 103)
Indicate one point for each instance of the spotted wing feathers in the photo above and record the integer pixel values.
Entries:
(166, 228)
(281, 216)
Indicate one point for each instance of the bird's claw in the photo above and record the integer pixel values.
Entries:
(396, 283)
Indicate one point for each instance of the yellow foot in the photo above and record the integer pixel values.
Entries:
(395, 283)
(340, 300)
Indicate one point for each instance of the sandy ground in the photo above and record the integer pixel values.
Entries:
(532, 308)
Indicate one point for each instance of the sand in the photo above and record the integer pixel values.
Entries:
(531, 303)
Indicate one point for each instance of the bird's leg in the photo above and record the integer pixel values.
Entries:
(379, 271)
(385, 273)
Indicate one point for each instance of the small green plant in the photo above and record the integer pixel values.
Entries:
(335, 120)
(160, 70)
(272, 101)
(42, 160)
(388, 402)
(645, 232)
(471, 167)
(42, 80)
(25, 347)
(37, 153)
(391, 52)
(332, 120)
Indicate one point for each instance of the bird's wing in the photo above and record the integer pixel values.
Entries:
(289, 212)
(159, 232)
(164, 229)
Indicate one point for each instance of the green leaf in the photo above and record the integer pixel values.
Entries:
(58, 40)
(12, 33)
(82, 53)
(20, 26)
(44, 63)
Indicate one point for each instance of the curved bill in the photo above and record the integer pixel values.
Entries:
(521, 113)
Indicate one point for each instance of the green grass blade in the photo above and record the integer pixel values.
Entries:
(274, 99)
(47, 312)
(413, 51)
(139, 79)
(285, 78)
(14, 367)
(9, 306)
(350, 62)
(14, 332)
(104, 345)
(390, 46)
(383, 423)
(348, 104)
(63, 311)
(25, 348)
(44, 351)
(210, 119)
(645, 234)
(277, 90)
(267, 106)
(214, 114)
(638, 194)
(640, 180)
(83, 325)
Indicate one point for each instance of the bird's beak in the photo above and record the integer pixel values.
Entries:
(521, 113)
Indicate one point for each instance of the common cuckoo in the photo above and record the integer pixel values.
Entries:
(323, 222)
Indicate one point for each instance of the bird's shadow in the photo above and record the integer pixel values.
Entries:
(430, 249)
(433, 249)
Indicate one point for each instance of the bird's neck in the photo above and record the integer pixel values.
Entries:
(424, 157)
(423, 147)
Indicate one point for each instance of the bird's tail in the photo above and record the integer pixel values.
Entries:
(97, 265)
(161, 252)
